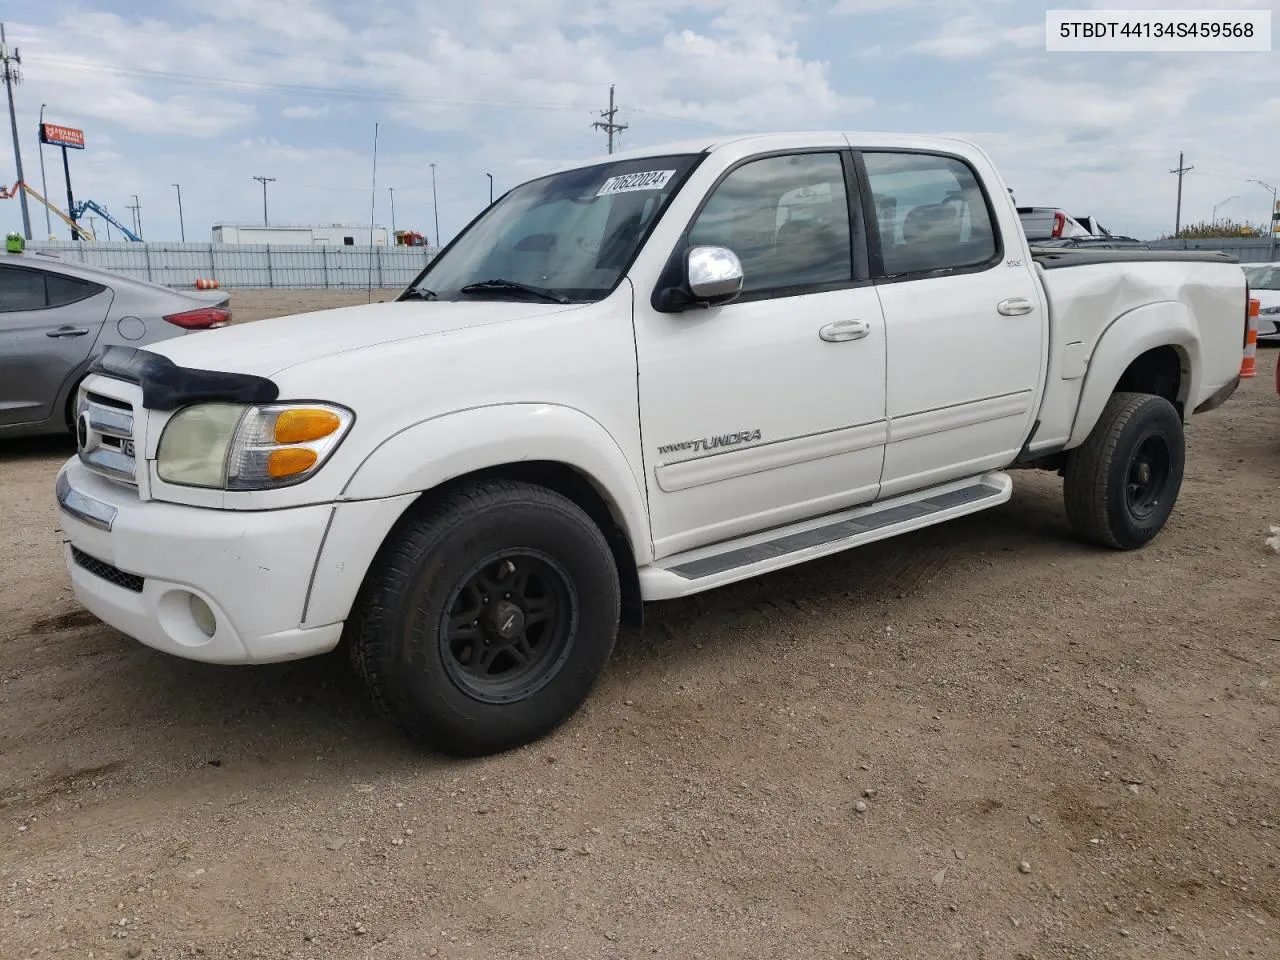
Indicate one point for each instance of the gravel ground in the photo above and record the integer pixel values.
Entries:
(980, 740)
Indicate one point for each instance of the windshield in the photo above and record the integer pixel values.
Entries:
(566, 237)
(1263, 278)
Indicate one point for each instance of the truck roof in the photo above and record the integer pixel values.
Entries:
(782, 139)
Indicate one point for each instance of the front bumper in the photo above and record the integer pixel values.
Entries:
(136, 565)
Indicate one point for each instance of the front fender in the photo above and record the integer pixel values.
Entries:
(428, 453)
(1167, 323)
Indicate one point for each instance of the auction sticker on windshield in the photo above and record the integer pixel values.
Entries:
(627, 182)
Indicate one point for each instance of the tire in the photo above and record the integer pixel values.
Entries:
(1123, 481)
(546, 640)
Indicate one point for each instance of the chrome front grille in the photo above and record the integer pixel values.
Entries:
(105, 436)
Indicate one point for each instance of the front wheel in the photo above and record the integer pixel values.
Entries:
(487, 618)
(1122, 482)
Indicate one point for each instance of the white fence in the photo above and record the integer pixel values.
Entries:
(249, 265)
(1246, 249)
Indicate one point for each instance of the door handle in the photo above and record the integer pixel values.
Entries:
(1015, 306)
(63, 332)
(842, 330)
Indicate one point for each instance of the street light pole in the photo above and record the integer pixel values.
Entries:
(435, 209)
(181, 226)
(44, 186)
(1214, 221)
(1271, 225)
(490, 176)
(392, 191)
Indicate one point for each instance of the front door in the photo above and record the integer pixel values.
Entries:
(48, 325)
(768, 409)
(965, 327)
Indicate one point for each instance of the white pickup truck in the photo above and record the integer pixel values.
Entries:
(631, 380)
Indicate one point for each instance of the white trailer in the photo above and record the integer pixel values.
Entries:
(320, 234)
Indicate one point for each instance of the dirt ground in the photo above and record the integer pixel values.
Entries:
(1062, 752)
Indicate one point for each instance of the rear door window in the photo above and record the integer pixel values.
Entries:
(931, 213)
(60, 290)
(21, 289)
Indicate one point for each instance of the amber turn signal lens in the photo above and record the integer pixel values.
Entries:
(290, 461)
(299, 426)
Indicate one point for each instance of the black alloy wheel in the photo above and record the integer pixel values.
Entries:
(509, 626)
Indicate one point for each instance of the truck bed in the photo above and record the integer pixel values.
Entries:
(1200, 293)
(1051, 258)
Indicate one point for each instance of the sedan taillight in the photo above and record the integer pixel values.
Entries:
(201, 318)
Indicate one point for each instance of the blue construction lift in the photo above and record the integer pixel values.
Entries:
(89, 206)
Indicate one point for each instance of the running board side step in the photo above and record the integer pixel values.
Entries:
(708, 567)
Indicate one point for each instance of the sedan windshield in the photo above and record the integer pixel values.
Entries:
(1263, 278)
(564, 238)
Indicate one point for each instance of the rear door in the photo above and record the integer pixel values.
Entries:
(963, 316)
(49, 323)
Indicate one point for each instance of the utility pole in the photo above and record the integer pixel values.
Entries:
(264, 181)
(490, 176)
(435, 209)
(137, 216)
(1177, 220)
(44, 185)
(392, 191)
(181, 226)
(608, 126)
(12, 75)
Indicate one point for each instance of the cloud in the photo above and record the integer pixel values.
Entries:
(303, 111)
(212, 94)
(973, 36)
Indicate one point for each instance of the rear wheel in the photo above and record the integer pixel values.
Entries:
(487, 618)
(1122, 483)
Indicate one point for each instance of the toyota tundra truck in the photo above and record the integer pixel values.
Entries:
(630, 380)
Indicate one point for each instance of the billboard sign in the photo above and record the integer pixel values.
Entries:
(60, 136)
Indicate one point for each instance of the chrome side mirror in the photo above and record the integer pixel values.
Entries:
(714, 274)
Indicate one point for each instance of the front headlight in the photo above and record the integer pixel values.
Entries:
(1270, 311)
(236, 447)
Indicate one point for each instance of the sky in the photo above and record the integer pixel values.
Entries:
(210, 94)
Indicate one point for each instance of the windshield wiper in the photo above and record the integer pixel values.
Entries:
(421, 293)
(514, 286)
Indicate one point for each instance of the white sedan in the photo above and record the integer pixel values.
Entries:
(1264, 286)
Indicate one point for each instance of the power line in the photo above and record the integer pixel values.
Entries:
(608, 126)
(133, 38)
(297, 89)
(307, 90)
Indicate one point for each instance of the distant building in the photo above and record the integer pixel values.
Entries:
(320, 234)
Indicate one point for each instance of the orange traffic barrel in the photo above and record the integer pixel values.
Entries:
(1249, 365)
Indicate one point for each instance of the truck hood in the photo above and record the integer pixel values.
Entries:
(266, 347)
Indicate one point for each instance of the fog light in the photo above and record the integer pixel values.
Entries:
(203, 616)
